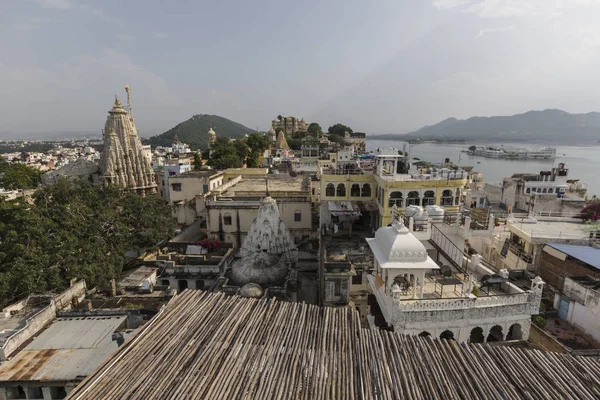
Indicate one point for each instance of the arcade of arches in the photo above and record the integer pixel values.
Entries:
(479, 335)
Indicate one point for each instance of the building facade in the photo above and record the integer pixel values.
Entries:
(413, 295)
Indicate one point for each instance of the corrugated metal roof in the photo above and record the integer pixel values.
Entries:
(69, 349)
(587, 254)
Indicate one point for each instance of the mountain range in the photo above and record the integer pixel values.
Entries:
(546, 125)
(194, 131)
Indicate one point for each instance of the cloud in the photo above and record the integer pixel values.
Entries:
(126, 38)
(448, 4)
(60, 4)
(494, 30)
(160, 35)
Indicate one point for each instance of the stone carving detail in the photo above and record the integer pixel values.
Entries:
(123, 161)
(268, 233)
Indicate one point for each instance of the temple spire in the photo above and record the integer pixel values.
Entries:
(128, 90)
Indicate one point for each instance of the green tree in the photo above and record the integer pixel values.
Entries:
(197, 163)
(74, 230)
(257, 143)
(472, 148)
(315, 130)
(339, 129)
(20, 176)
(228, 154)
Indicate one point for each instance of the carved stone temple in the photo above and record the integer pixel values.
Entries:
(265, 262)
(123, 162)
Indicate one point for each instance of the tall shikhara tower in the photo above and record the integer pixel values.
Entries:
(123, 162)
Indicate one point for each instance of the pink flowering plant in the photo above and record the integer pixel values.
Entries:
(591, 212)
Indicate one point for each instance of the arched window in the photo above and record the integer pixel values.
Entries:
(528, 190)
(226, 219)
(544, 190)
(496, 334)
(396, 198)
(551, 190)
(515, 332)
(297, 216)
(446, 199)
(366, 190)
(428, 198)
(355, 190)
(412, 198)
(539, 190)
(476, 335)
(448, 335)
(182, 284)
(330, 190)
(424, 334)
(341, 190)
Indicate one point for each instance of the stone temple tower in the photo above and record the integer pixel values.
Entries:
(123, 161)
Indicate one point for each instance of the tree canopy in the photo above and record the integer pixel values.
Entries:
(74, 230)
(315, 129)
(339, 129)
(234, 154)
(197, 163)
(19, 176)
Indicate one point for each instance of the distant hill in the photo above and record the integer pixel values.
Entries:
(546, 125)
(194, 131)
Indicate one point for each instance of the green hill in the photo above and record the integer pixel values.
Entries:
(194, 131)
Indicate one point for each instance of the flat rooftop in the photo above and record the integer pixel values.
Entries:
(198, 174)
(70, 349)
(551, 229)
(136, 277)
(209, 345)
(277, 184)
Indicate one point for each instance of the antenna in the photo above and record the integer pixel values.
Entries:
(128, 90)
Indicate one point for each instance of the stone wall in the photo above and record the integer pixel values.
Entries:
(64, 300)
(545, 341)
(554, 271)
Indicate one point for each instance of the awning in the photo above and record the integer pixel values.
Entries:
(367, 206)
(337, 208)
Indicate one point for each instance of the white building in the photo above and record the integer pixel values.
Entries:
(418, 297)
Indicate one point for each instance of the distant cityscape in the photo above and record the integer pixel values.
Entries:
(290, 263)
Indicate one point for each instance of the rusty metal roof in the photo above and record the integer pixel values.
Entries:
(70, 349)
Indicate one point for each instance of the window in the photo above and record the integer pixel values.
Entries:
(412, 198)
(355, 190)
(539, 190)
(176, 187)
(330, 190)
(446, 199)
(551, 190)
(204, 188)
(227, 219)
(366, 190)
(357, 279)
(313, 191)
(544, 190)
(528, 190)
(171, 173)
(395, 199)
(297, 216)
(429, 198)
(341, 190)
(58, 392)
(34, 392)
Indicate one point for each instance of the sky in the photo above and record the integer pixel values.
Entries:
(389, 66)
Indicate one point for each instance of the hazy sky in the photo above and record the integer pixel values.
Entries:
(380, 67)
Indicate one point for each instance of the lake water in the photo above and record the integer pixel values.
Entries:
(583, 162)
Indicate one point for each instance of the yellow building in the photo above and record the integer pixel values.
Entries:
(394, 182)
